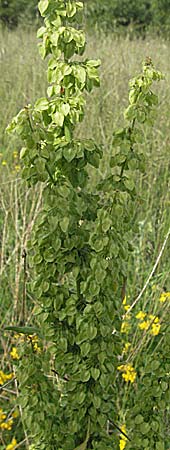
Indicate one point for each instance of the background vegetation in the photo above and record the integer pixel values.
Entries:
(110, 15)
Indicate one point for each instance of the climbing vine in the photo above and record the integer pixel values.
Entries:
(80, 244)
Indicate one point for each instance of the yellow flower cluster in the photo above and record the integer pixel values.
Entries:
(164, 296)
(12, 445)
(14, 353)
(123, 439)
(4, 377)
(128, 372)
(34, 341)
(150, 321)
(5, 424)
(20, 337)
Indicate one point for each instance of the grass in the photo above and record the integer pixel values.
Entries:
(23, 79)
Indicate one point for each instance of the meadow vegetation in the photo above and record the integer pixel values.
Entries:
(23, 80)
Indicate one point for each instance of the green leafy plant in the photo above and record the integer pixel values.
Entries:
(79, 250)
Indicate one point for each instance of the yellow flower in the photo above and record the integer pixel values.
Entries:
(7, 425)
(37, 348)
(123, 439)
(126, 347)
(129, 376)
(164, 296)
(154, 287)
(12, 445)
(126, 307)
(125, 327)
(9, 376)
(15, 154)
(19, 337)
(2, 377)
(2, 415)
(124, 300)
(17, 168)
(155, 329)
(15, 414)
(129, 373)
(5, 377)
(33, 338)
(155, 318)
(14, 353)
(4, 163)
(141, 315)
(144, 325)
(122, 444)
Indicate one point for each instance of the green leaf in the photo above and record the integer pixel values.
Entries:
(93, 159)
(65, 109)
(23, 330)
(129, 183)
(139, 419)
(130, 112)
(49, 255)
(42, 104)
(56, 243)
(93, 62)
(106, 224)
(40, 32)
(64, 223)
(95, 373)
(144, 428)
(85, 348)
(92, 332)
(42, 6)
(80, 397)
(50, 91)
(80, 73)
(160, 445)
(69, 153)
(96, 402)
(62, 344)
(85, 376)
(154, 365)
(58, 118)
(94, 288)
(23, 152)
(70, 9)
(67, 133)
